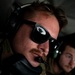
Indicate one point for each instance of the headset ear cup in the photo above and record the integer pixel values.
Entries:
(14, 20)
(55, 54)
(55, 49)
(11, 24)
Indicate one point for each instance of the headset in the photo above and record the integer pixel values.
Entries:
(13, 22)
(55, 49)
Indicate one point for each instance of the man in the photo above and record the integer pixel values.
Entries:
(64, 63)
(29, 31)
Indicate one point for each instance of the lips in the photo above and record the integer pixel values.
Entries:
(38, 55)
(39, 59)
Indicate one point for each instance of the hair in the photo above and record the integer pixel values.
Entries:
(68, 40)
(28, 11)
(35, 7)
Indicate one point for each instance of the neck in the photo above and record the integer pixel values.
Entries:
(20, 66)
(56, 68)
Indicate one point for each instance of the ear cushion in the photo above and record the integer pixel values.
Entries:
(14, 20)
(12, 24)
(54, 49)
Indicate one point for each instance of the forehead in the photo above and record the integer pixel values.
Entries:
(69, 49)
(48, 21)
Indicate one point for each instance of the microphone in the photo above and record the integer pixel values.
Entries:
(40, 60)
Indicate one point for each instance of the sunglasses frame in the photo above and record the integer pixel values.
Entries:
(34, 25)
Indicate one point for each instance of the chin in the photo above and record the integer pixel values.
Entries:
(68, 70)
(35, 64)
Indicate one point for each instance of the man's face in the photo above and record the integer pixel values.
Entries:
(67, 59)
(24, 45)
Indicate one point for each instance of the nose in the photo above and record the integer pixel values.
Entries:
(44, 47)
(72, 63)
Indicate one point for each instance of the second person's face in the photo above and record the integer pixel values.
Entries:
(67, 59)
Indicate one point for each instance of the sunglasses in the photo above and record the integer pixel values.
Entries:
(39, 34)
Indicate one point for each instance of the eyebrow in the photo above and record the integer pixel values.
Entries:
(33, 24)
(69, 54)
(30, 23)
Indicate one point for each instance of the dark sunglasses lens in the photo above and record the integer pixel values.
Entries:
(39, 35)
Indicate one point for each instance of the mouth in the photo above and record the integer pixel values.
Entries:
(38, 57)
(40, 60)
(70, 68)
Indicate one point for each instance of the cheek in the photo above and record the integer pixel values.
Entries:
(20, 41)
(24, 44)
(63, 60)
